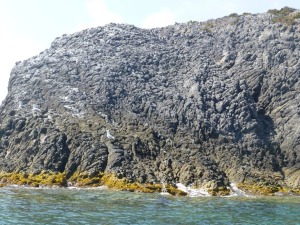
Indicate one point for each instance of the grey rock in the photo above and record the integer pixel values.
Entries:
(197, 103)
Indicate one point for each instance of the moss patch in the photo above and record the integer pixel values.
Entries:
(260, 189)
(112, 182)
(83, 180)
(285, 15)
(34, 180)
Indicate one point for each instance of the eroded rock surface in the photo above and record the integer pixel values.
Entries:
(203, 103)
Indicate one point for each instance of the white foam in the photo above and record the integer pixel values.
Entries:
(235, 191)
(193, 192)
(164, 189)
(87, 188)
(164, 193)
(15, 186)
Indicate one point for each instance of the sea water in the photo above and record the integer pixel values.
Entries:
(99, 206)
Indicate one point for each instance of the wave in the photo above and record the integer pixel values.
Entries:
(193, 192)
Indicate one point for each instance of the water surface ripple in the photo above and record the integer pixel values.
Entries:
(87, 206)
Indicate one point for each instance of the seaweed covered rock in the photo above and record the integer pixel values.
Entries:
(201, 103)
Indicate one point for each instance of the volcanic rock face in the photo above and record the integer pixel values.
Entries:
(197, 103)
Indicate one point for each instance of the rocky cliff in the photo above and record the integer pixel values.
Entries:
(201, 103)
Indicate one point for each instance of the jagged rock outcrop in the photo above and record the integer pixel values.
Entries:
(203, 103)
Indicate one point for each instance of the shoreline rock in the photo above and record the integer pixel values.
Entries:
(110, 181)
(83, 180)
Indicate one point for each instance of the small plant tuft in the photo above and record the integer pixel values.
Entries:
(235, 15)
(282, 12)
(285, 15)
(246, 14)
(192, 22)
(209, 25)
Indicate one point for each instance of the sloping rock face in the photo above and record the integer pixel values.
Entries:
(202, 103)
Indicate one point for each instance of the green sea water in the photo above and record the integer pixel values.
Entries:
(95, 206)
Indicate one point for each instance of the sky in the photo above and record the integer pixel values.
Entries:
(28, 27)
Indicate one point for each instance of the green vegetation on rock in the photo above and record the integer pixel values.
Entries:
(83, 180)
(260, 189)
(285, 15)
(34, 180)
